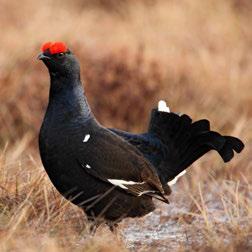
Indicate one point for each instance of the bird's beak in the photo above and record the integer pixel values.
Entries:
(41, 56)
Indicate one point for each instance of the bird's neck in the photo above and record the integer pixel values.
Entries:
(67, 97)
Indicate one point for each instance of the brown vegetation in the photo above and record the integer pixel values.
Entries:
(195, 54)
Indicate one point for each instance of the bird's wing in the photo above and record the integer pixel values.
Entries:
(111, 159)
(149, 145)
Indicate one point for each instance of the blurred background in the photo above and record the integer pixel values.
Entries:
(196, 55)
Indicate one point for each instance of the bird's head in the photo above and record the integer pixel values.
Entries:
(59, 60)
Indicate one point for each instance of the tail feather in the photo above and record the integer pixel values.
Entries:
(200, 126)
(197, 147)
(211, 139)
(185, 141)
(231, 143)
(184, 126)
(236, 143)
(226, 153)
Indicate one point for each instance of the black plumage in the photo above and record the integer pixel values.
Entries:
(109, 173)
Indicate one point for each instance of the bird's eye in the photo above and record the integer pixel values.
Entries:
(60, 54)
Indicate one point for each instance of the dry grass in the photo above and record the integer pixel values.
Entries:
(33, 216)
(195, 54)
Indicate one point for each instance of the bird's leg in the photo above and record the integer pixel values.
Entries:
(94, 223)
(113, 227)
(92, 228)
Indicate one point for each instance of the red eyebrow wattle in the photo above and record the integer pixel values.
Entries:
(54, 47)
(46, 46)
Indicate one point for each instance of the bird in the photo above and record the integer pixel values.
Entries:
(109, 173)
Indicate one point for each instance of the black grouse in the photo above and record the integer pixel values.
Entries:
(109, 173)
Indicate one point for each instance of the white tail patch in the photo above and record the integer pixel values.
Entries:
(121, 183)
(163, 107)
(88, 166)
(86, 138)
(174, 181)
